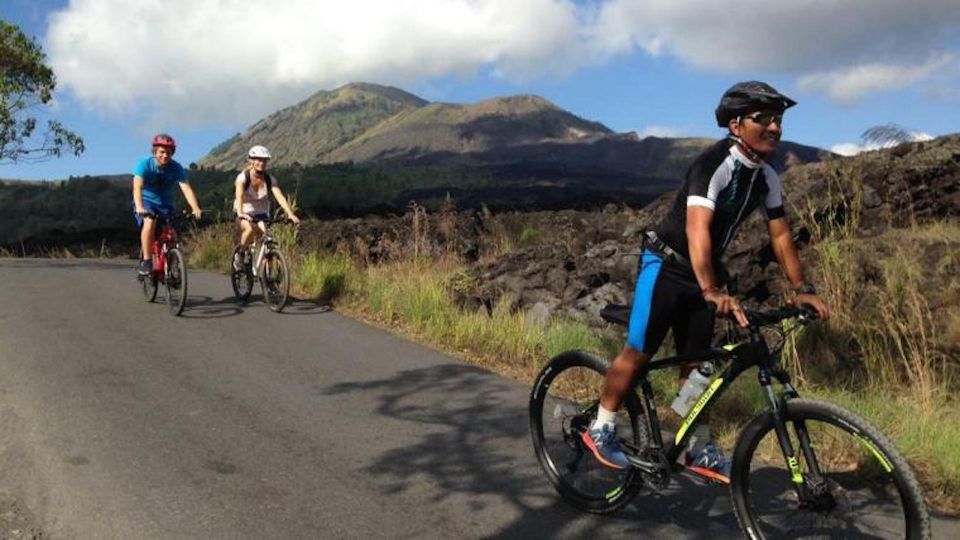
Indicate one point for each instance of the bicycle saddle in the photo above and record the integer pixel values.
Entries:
(616, 314)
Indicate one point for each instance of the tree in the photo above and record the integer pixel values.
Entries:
(889, 135)
(25, 83)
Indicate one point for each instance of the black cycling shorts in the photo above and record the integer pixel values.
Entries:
(668, 297)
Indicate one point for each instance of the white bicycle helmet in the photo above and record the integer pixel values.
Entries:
(260, 152)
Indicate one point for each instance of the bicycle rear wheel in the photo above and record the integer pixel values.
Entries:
(864, 489)
(242, 279)
(176, 281)
(563, 402)
(274, 280)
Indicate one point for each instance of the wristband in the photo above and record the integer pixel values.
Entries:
(806, 288)
(709, 289)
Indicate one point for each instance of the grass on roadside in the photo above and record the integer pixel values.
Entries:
(928, 441)
(211, 247)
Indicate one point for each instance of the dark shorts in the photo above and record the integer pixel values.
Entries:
(666, 298)
(162, 210)
(257, 218)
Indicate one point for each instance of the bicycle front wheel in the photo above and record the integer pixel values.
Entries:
(563, 402)
(176, 281)
(849, 480)
(274, 280)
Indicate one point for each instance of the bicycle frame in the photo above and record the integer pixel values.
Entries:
(742, 356)
(260, 246)
(164, 240)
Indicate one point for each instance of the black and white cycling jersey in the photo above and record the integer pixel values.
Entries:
(726, 181)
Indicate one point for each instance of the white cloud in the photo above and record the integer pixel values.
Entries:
(196, 61)
(848, 149)
(232, 60)
(848, 85)
(660, 131)
(759, 35)
(852, 149)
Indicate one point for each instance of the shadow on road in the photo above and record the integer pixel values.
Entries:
(299, 306)
(205, 307)
(478, 446)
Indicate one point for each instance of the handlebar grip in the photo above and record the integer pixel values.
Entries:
(803, 313)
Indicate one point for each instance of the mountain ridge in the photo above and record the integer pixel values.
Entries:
(513, 137)
(361, 122)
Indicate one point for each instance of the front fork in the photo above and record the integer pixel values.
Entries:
(809, 486)
(256, 260)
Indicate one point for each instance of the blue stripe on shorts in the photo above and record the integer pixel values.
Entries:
(650, 264)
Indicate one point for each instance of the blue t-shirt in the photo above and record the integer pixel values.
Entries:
(158, 183)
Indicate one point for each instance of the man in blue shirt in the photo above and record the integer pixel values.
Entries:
(153, 181)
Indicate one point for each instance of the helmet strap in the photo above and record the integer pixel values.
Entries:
(747, 150)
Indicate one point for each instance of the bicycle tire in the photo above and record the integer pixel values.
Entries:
(274, 280)
(563, 401)
(869, 488)
(176, 281)
(149, 285)
(241, 280)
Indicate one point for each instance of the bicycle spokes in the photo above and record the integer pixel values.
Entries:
(559, 417)
(274, 280)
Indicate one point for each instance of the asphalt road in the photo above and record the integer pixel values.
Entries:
(120, 421)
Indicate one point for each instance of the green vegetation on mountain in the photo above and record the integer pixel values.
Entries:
(453, 128)
(308, 131)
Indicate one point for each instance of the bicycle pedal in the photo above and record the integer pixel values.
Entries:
(707, 476)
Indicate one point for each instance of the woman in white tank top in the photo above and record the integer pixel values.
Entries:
(253, 187)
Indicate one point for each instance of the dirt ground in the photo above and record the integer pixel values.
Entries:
(16, 522)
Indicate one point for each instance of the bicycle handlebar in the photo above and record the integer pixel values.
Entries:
(804, 313)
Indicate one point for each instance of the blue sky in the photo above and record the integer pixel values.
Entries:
(203, 70)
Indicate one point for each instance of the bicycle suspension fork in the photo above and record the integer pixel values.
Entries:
(778, 407)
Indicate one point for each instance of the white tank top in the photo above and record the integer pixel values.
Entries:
(255, 201)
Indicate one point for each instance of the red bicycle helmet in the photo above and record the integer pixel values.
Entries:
(164, 140)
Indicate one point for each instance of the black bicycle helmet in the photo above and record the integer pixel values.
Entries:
(749, 96)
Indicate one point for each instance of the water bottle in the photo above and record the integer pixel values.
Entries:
(697, 382)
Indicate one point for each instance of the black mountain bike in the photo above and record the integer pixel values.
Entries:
(262, 260)
(801, 468)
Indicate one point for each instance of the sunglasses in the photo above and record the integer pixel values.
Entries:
(765, 119)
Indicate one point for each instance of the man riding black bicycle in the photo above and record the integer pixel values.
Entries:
(680, 283)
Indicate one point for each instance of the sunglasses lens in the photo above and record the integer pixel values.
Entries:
(767, 119)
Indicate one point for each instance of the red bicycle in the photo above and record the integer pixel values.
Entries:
(169, 267)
